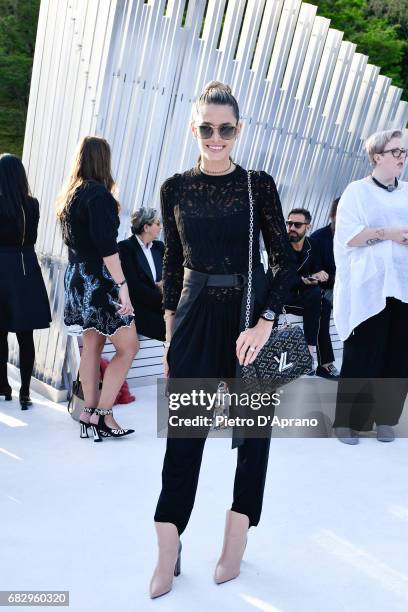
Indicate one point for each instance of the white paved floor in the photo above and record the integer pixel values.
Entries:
(77, 516)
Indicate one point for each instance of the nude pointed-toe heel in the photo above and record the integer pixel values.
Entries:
(235, 538)
(169, 562)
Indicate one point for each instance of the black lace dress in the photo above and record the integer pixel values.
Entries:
(206, 225)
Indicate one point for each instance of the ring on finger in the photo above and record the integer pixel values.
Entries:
(252, 349)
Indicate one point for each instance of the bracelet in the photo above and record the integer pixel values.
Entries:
(119, 285)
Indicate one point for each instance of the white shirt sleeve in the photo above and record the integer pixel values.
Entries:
(349, 220)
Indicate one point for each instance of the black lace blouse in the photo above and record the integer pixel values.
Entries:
(206, 228)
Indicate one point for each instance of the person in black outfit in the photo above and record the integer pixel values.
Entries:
(96, 295)
(306, 298)
(142, 262)
(24, 302)
(322, 244)
(205, 213)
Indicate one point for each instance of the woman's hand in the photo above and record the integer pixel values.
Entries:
(251, 341)
(124, 299)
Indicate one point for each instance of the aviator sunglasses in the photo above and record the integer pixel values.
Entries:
(226, 131)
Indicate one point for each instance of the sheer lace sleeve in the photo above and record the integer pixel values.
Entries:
(173, 251)
(281, 260)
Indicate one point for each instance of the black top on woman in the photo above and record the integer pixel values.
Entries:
(23, 297)
(206, 223)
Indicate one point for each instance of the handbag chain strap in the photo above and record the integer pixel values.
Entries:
(251, 240)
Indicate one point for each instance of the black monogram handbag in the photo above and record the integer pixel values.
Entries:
(285, 356)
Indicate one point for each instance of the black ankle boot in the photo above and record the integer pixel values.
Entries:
(25, 401)
(6, 391)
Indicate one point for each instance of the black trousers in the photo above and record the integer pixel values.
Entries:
(374, 374)
(316, 311)
(181, 469)
(203, 347)
(27, 357)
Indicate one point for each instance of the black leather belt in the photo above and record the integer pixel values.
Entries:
(217, 280)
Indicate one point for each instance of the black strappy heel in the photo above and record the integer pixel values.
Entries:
(85, 426)
(101, 430)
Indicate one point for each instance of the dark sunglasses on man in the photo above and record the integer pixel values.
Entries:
(226, 131)
(297, 224)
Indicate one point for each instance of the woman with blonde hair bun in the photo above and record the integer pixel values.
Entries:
(205, 212)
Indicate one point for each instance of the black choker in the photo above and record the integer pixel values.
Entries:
(386, 187)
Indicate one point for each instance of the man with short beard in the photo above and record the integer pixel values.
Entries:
(307, 297)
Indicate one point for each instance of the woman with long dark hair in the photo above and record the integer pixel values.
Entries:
(206, 221)
(96, 295)
(23, 298)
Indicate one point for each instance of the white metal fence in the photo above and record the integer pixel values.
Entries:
(129, 69)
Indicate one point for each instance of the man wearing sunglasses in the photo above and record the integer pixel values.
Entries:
(307, 297)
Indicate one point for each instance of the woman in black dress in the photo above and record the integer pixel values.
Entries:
(205, 214)
(96, 296)
(23, 298)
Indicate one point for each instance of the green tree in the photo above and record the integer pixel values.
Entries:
(374, 32)
(18, 25)
(396, 12)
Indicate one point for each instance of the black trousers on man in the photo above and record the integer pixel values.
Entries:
(316, 310)
(373, 382)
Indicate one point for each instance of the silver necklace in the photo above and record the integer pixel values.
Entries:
(222, 171)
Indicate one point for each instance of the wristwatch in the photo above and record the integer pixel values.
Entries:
(268, 315)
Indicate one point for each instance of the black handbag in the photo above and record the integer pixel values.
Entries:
(285, 356)
(76, 401)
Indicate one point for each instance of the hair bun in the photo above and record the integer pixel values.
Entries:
(217, 85)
